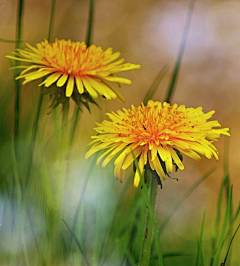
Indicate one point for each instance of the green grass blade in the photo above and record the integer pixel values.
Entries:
(223, 230)
(51, 21)
(76, 241)
(200, 257)
(90, 23)
(188, 193)
(224, 262)
(155, 84)
(180, 53)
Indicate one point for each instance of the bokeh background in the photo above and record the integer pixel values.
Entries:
(148, 32)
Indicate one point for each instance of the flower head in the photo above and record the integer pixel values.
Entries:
(155, 134)
(75, 68)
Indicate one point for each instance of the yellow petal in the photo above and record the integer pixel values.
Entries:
(79, 84)
(50, 80)
(62, 80)
(89, 88)
(70, 86)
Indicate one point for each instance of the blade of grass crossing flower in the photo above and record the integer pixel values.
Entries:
(200, 257)
(90, 23)
(187, 194)
(77, 242)
(172, 85)
(51, 21)
(155, 84)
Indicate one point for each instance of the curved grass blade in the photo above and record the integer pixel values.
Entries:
(155, 84)
(224, 262)
(76, 241)
(180, 53)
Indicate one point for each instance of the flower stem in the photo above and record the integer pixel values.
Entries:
(150, 227)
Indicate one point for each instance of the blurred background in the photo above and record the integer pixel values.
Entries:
(146, 32)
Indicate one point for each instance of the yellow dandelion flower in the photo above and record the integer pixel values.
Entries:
(156, 133)
(73, 67)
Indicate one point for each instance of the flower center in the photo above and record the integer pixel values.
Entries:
(72, 57)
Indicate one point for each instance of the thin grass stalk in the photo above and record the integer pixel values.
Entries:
(172, 85)
(90, 23)
(225, 259)
(95, 260)
(79, 204)
(155, 84)
(223, 230)
(200, 257)
(16, 73)
(51, 21)
(77, 242)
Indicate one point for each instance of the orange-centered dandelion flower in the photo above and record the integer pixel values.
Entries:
(73, 65)
(155, 134)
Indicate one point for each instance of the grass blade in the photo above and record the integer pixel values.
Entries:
(200, 258)
(154, 85)
(224, 262)
(180, 53)
(76, 241)
(90, 23)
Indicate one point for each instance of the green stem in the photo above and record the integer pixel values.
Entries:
(180, 53)
(149, 228)
(90, 23)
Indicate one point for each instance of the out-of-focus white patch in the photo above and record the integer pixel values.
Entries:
(15, 228)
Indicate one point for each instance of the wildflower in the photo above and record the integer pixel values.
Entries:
(155, 133)
(74, 68)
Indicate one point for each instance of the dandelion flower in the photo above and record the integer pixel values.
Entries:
(74, 68)
(155, 133)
